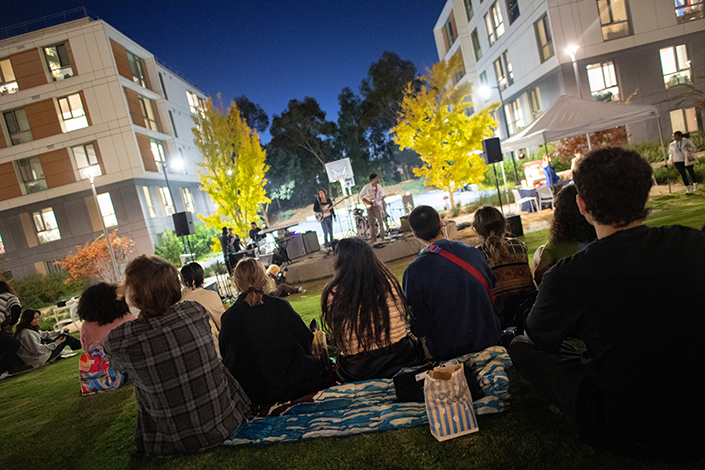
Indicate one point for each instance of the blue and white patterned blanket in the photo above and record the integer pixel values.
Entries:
(361, 407)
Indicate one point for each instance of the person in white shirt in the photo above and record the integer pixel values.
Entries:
(681, 153)
(192, 277)
(372, 195)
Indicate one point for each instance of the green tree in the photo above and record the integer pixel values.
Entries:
(233, 167)
(434, 122)
(252, 113)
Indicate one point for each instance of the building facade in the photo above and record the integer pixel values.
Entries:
(519, 51)
(77, 98)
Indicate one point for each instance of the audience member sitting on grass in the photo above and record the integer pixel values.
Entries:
(192, 278)
(266, 345)
(569, 233)
(509, 260)
(634, 297)
(101, 310)
(186, 398)
(282, 288)
(451, 305)
(366, 314)
(10, 310)
(38, 347)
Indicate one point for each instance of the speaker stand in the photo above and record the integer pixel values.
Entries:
(499, 194)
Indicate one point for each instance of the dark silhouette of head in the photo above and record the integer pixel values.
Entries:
(569, 225)
(425, 222)
(100, 304)
(192, 275)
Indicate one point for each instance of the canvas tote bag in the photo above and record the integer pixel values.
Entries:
(449, 403)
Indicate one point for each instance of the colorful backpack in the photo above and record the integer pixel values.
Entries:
(96, 374)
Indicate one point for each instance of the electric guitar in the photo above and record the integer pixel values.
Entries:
(370, 202)
(320, 215)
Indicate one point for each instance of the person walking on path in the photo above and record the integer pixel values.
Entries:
(681, 153)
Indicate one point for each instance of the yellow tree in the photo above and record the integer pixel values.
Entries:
(434, 122)
(233, 167)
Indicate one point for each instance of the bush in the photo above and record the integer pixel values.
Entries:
(169, 247)
(489, 180)
(202, 241)
(663, 173)
(488, 199)
(38, 290)
(650, 151)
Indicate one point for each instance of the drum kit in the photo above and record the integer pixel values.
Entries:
(363, 226)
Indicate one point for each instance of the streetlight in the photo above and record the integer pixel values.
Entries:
(572, 50)
(487, 92)
(89, 173)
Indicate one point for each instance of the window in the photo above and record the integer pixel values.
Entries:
(7, 78)
(192, 102)
(483, 86)
(58, 62)
(614, 18)
(167, 202)
(86, 157)
(46, 226)
(158, 151)
(684, 120)
(32, 175)
(512, 10)
(53, 268)
(494, 23)
(687, 10)
(2, 246)
(18, 126)
(535, 107)
(468, 9)
(460, 73)
(476, 44)
(603, 81)
(503, 71)
(107, 211)
(161, 82)
(187, 198)
(515, 118)
(451, 35)
(72, 112)
(150, 203)
(150, 117)
(675, 65)
(137, 67)
(543, 38)
(173, 125)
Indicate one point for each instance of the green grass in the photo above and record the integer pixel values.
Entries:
(45, 423)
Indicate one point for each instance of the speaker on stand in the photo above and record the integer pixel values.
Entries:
(183, 226)
(492, 153)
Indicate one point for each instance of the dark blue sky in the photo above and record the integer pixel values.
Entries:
(270, 51)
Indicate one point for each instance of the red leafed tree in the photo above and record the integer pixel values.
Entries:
(93, 258)
(566, 149)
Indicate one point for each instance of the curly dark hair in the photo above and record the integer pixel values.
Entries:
(568, 223)
(491, 226)
(615, 185)
(354, 302)
(100, 304)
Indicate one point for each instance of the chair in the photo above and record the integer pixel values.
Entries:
(518, 200)
(72, 308)
(545, 194)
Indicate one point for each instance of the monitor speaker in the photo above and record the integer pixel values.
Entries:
(516, 229)
(492, 150)
(295, 247)
(311, 242)
(183, 224)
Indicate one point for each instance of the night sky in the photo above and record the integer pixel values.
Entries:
(269, 51)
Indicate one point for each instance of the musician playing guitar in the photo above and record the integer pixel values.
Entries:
(323, 207)
(372, 195)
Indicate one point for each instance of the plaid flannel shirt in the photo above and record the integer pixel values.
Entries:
(187, 400)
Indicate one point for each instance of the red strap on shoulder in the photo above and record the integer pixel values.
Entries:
(463, 264)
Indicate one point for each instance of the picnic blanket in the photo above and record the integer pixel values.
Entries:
(370, 405)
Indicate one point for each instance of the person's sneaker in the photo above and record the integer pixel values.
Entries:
(301, 290)
(4, 375)
(313, 326)
(695, 187)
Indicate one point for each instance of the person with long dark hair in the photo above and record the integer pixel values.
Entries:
(569, 233)
(10, 310)
(101, 310)
(38, 347)
(192, 278)
(365, 311)
(508, 258)
(323, 208)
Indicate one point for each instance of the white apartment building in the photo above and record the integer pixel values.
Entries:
(79, 97)
(626, 49)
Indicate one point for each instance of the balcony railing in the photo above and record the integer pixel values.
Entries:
(43, 22)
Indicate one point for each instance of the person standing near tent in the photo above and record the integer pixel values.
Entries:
(549, 171)
(681, 153)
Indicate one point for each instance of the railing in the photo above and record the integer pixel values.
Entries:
(43, 22)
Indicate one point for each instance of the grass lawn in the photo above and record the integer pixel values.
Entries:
(45, 423)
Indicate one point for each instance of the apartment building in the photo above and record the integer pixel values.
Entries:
(81, 97)
(519, 51)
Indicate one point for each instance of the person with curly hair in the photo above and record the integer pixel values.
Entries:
(569, 233)
(508, 258)
(101, 310)
(634, 297)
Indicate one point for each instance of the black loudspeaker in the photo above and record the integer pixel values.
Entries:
(492, 150)
(311, 242)
(516, 229)
(183, 224)
(295, 246)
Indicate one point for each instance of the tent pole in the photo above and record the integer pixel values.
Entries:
(663, 150)
(588, 141)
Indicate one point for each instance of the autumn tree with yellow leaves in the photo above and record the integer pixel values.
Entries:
(434, 122)
(233, 168)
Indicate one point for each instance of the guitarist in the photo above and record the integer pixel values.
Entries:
(323, 207)
(372, 195)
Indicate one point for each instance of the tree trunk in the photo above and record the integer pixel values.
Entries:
(450, 198)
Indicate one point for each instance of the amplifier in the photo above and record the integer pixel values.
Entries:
(311, 242)
(295, 246)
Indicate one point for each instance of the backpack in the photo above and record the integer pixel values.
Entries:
(96, 374)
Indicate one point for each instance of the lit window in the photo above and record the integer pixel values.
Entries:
(150, 203)
(2, 246)
(468, 9)
(483, 84)
(173, 125)
(137, 67)
(7, 78)
(675, 65)
(150, 117)
(161, 82)
(684, 120)
(187, 197)
(535, 102)
(46, 226)
(192, 102)
(105, 203)
(512, 10)
(158, 151)
(167, 202)
(58, 62)
(476, 44)
(543, 38)
(494, 23)
(451, 35)
(32, 175)
(687, 10)
(72, 112)
(614, 18)
(503, 71)
(18, 126)
(86, 157)
(515, 118)
(603, 81)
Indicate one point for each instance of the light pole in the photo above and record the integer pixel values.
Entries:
(89, 172)
(571, 51)
(486, 91)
